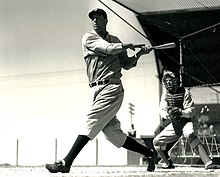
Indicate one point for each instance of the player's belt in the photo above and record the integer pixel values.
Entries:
(101, 82)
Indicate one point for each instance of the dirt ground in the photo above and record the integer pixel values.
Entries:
(109, 171)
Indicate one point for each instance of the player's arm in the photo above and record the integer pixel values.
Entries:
(188, 105)
(96, 44)
(163, 107)
(129, 62)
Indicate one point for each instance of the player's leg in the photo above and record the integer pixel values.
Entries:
(65, 164)
(116, 136)
(80, 142)
(195, 143)
(107, 102)
(160, 143)
(133, 145)
(206, 159)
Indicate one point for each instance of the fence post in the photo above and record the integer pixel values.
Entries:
(55, 149)
(17, 149)
(97, 151)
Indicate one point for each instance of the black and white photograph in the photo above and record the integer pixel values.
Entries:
(123, 88)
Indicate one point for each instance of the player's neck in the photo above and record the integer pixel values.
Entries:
(102, 33)
(174, 90)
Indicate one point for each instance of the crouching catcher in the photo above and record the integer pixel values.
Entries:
(177, 106)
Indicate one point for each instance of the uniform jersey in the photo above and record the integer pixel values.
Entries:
(181, 99)
(104, 57)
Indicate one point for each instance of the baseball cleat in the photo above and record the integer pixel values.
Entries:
(170, 166)
(151, 164)
(57, 167)
(151, 161)
(212, 166)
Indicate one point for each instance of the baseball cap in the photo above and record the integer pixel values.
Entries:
(97, 11)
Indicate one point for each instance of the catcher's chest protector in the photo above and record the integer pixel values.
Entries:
(176, 100)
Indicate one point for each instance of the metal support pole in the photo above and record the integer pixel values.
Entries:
(181, 64)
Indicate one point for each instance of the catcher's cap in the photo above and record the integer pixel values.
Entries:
(97, 11)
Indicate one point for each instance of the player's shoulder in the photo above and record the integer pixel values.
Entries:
(89, 35)
(187, 89)
(113, 38)
(183, 90)
(188, 92)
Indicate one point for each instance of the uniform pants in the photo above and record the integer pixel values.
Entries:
(168, 135)
(102, 116)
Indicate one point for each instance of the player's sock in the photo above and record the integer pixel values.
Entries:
(80, 142)
(132, 145)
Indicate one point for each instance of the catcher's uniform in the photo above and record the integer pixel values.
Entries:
(178, 107)
(180, 122)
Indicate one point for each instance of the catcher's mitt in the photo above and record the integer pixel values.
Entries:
(174, 112)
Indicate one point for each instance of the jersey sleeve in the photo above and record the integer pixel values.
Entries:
(95, 45)
(188, 105)
(163, 107)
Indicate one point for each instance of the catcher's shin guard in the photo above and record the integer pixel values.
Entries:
(195, 142)
(203, 154)
(164, 155)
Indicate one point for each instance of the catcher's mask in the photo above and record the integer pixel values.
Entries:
(169, 81)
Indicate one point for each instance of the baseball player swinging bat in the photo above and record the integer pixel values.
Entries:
(158, 47)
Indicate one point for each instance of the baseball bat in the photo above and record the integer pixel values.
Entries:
(157, 47)
(164, 46)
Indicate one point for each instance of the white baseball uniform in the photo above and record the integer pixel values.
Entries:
(105, 59)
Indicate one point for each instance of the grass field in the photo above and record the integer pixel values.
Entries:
(109, 171)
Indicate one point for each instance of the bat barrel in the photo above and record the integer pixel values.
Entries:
(165, 46)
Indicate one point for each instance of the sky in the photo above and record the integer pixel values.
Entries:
(44, 93)
(40, 33)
